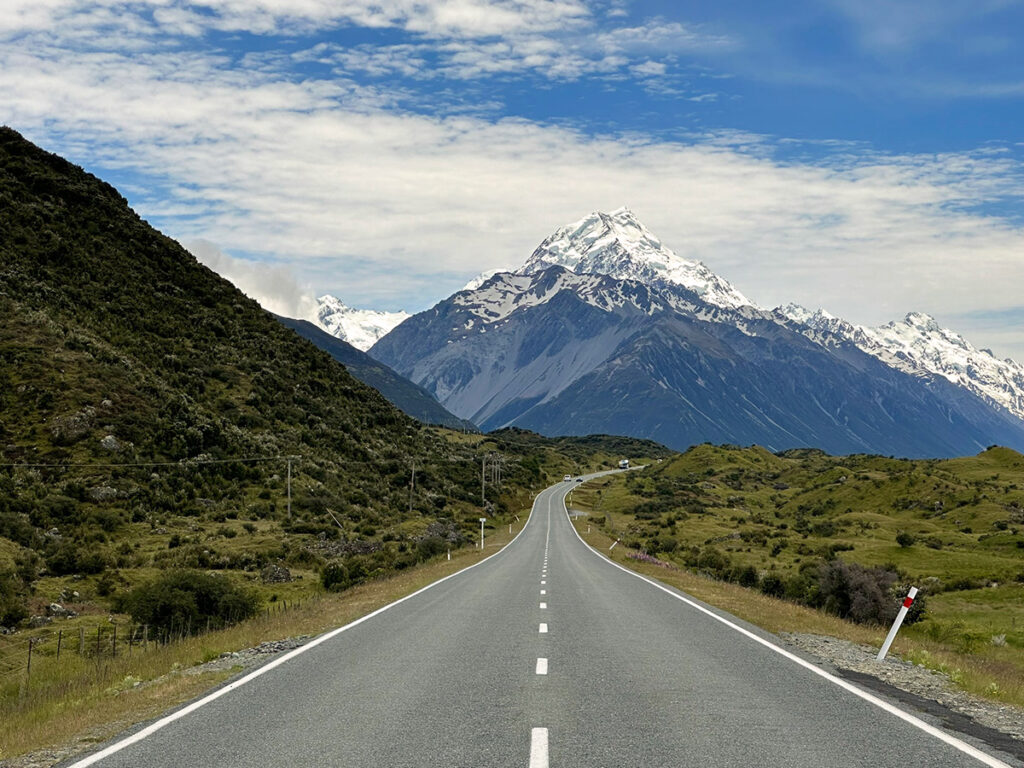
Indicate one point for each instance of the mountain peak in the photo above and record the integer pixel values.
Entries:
(619, 245)
(923, 321)
(361, 328)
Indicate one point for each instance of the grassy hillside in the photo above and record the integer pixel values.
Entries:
(146, 407)
(954, 528)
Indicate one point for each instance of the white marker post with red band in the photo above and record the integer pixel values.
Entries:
(907, 602)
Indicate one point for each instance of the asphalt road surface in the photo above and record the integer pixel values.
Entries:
(543, 655)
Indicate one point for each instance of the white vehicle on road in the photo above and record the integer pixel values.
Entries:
(567, 478)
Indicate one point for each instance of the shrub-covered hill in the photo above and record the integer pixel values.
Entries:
(136, 386)
(953, 527)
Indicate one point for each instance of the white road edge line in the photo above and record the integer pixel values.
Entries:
(539, 748)
(149, 730)
(542, 666)
(931, 730)
(543, 629)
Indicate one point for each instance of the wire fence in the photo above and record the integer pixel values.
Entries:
(22, 656)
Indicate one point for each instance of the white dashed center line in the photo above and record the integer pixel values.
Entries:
(543, 629)
(543, 591)
(539, 748)
(542, 666)
(543, 606)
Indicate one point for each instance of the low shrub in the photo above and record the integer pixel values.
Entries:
(12, 602)
(184, 600)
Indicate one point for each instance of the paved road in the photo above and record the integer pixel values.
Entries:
(543, 655)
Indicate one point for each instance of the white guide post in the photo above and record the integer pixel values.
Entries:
(907, 602)
(482, 521)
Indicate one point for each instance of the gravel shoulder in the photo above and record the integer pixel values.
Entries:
(928, 690)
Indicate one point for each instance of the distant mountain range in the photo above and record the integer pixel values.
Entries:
(606, 329)
(361, 328)
(918, 345)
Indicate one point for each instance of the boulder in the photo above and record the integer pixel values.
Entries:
(275, 574)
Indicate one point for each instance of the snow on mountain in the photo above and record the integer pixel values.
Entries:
(617, 244)
(507, 292)
(919, 345)
(480, 279)
(359, 327)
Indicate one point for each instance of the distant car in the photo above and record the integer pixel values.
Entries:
(624, 464)
(579, 479)
(567, 478)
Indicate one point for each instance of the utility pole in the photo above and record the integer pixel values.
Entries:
(412, 485)
(290, 459)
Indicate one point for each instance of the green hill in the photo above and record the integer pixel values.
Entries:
(146, 407)
(954, 527)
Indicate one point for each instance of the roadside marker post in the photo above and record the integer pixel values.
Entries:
(613, 545)
(482, 521)
(907, 602)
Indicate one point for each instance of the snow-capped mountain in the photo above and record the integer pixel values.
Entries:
(565, 353)
(919, 345)
(359, 327)
(604, 329)
(617, 244)
(480, 279)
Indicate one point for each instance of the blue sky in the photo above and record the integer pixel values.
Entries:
(860, 155)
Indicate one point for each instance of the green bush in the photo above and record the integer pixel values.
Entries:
(73, 557)
(12, 603)
(864, 595)
(430, 546)
(334, 577)
(183, 601)
(905, 539)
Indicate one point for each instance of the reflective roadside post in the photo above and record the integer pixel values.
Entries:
(482, 521)
(907, 602)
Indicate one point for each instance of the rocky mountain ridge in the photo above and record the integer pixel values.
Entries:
(605, 329)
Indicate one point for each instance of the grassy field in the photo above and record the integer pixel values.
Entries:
(84, 700)
(952, 528)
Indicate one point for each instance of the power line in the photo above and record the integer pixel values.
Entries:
(180, 463)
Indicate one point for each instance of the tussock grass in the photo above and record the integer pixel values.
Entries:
(82, 700)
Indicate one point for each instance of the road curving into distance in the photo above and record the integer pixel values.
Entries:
(545, 654)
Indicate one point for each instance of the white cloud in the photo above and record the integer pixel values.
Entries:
(562, 55)
(273, 286)
(329, 180)
(438, 18)
(899, 26)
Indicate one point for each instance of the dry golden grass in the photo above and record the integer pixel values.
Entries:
(989, 672)
(78, 700)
